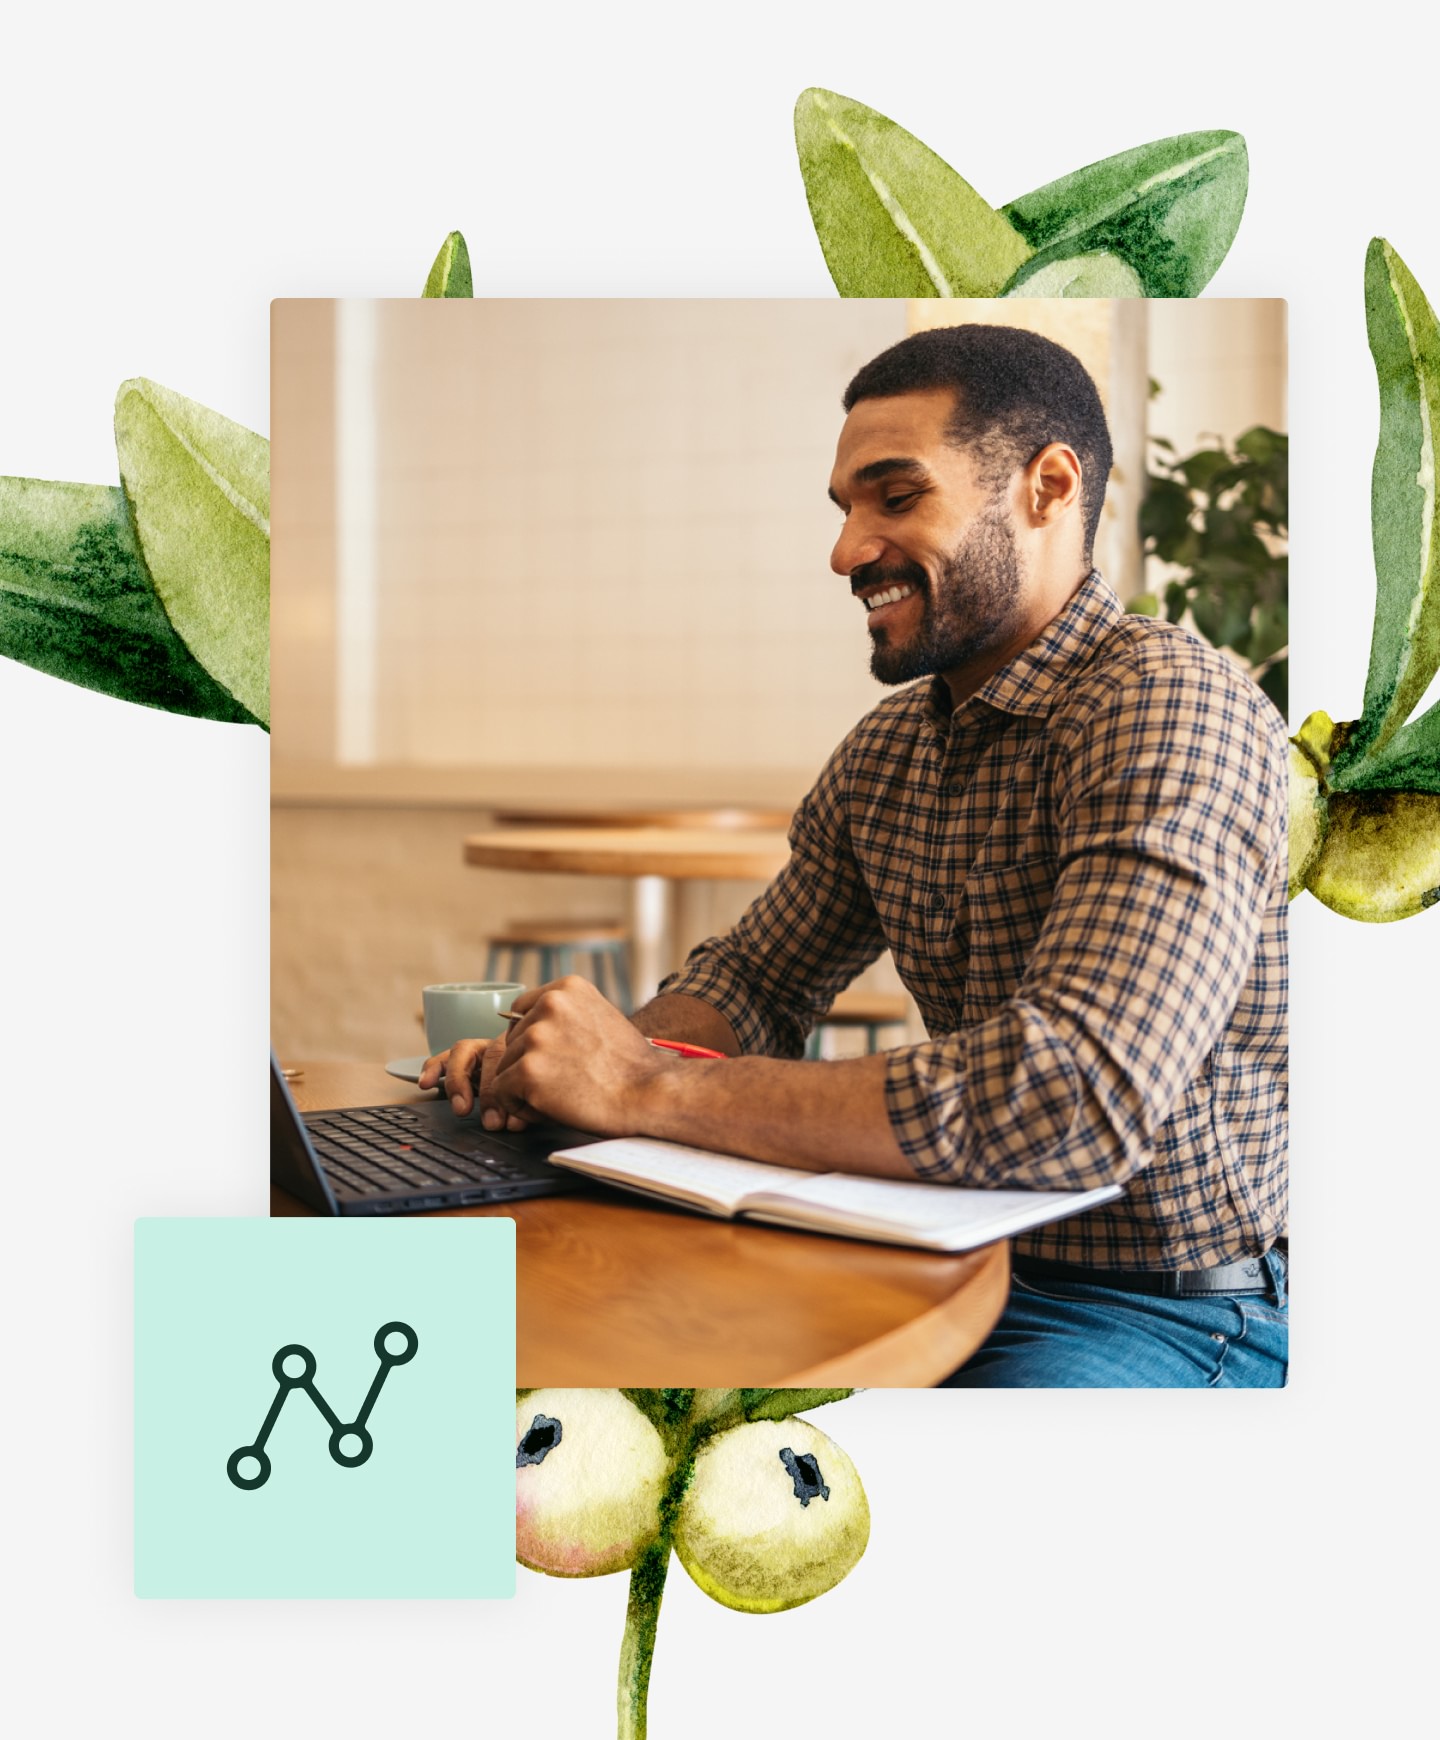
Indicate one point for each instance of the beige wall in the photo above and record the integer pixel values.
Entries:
(1222, 367)
(302, 528)
(602, 535)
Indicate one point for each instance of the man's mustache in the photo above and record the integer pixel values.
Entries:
(878, 574)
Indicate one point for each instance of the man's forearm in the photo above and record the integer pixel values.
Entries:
(689, 1019)
(822, 1117)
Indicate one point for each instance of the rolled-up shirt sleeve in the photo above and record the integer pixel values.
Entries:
(803, 940)
(1169, 840)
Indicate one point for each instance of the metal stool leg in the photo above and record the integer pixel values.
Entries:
(595, 968)
(492, 965)
(621, 974)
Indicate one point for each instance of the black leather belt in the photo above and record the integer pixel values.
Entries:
(1249, 1276)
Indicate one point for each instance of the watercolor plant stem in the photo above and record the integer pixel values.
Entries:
(637, 1647)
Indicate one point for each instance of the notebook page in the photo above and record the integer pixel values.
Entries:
(689, 1174)
(929, 1208)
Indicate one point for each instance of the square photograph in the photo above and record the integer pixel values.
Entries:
(786, 801)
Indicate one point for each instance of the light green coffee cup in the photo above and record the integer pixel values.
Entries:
(473, 1011)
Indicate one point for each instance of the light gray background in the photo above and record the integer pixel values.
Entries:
(1090, 1564)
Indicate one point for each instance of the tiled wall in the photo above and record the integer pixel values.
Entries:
(603, 535)
(1221, 366)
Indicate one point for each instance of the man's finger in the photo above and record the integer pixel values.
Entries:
(433, 1069)
(498, 1109)
(462, 1065)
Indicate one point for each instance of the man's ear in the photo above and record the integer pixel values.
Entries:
(1052, 484)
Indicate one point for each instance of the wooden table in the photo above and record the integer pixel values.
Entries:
(707, 816)
(612, 1290)
(654, 857)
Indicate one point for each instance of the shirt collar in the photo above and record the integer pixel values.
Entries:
(1027, 684)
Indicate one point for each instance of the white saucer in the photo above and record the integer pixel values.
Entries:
(405, 1068)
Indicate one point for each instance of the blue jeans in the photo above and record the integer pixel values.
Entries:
(1071, 1335)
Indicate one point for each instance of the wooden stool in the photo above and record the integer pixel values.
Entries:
(556, 943)
(871, 1010)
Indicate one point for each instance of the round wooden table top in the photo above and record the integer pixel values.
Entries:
(682, 854)
(613, 1290)
(728, 816)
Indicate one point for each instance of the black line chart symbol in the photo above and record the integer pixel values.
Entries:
(303, 1378)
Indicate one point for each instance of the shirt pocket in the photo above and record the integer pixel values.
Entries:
(1005, 906)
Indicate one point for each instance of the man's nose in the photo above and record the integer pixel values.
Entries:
(855, 548)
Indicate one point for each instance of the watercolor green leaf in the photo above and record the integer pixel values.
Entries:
(77, 602)
(1409, 762)
(1169, 210)
(1405, 642)
(893, 218)
(1097, 274)
(198, 487)
(781, 1404)
(450, 275)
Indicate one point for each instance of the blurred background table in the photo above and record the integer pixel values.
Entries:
(613, 1290)
(655, 858)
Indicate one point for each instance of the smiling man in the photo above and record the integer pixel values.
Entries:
(1069, 830)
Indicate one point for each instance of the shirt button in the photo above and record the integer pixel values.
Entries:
(937, 901)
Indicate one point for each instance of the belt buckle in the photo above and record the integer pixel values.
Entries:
(1207, 1282)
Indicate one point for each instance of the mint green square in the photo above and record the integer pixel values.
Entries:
(429, 1512)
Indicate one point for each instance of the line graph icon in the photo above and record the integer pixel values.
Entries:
(351, 1443)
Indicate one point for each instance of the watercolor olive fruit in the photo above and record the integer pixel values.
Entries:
(589, 1473)
(774, 1515)
(1380, 859)
(1368, 855)
(1309, 816)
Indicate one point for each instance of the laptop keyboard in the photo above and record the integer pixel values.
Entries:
(392, 1150)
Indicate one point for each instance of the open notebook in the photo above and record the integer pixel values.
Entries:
(934, 1217)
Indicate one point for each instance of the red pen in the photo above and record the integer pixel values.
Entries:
(684, 1050)
(676, 1045)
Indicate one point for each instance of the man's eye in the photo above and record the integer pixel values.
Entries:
(898, 503)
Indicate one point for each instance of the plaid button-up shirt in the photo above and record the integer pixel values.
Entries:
(1081, 874)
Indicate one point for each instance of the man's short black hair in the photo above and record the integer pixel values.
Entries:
(1015, 393)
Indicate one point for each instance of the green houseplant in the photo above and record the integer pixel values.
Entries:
(1221, 515)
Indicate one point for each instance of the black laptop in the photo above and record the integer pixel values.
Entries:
(404, 1159)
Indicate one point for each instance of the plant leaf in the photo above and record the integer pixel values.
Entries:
(781, 1404)
(450, 275)
(1091, 274)
(893, 218)
(1276, 684)
(1405, 643)
(1409, 762)
(198, 486)
(1170, 209)
(77, 602)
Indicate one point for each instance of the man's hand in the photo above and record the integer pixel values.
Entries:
(574, 1058)
(468, 1071)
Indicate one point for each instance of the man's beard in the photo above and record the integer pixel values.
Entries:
(974, 607)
